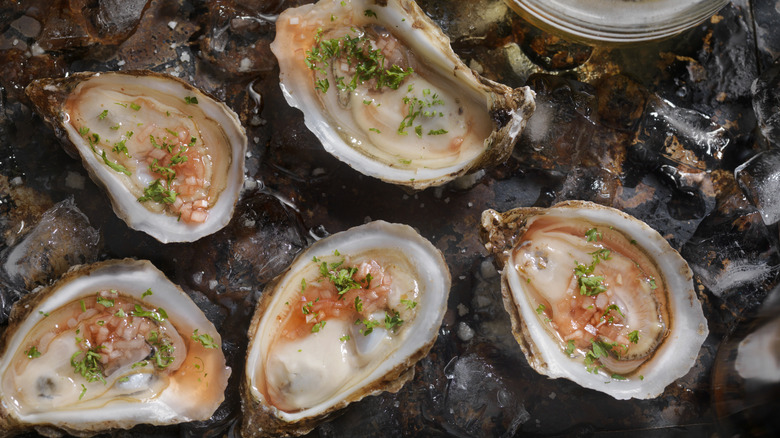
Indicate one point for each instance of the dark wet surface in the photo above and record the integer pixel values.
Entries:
(656, 130)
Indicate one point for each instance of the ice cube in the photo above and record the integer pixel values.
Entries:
(119, 16)
(759, 179)
(63, 238)
(766, 104)
(477, 401)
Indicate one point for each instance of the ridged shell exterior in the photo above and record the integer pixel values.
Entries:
(688, 328)
(49, 97)
(509, 108)
(262, 420)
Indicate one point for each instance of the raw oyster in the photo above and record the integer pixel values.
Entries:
(170, 158)
(109, 345)
(349, 318)
(596, 296)
(381, 88)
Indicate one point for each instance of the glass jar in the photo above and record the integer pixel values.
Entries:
(616, 22)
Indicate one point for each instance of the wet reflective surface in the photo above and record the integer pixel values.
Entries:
(656, 130)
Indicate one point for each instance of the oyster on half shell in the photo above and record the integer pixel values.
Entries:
(109, 345)
(349, 318)
(596, 296)
(170, 158)
(380, 86)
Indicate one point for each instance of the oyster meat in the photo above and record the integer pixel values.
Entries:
(109, 345)
(597, 296)
(170, 157)
(349, 318)
(380, 86)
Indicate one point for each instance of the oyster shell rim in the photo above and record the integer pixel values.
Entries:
(260, 419)
(49, 96)
(26, 313)
(688, 328)
(509, 109)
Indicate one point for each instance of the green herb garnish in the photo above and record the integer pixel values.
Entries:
(393, 322)
(205, 339)
(367, 281)
(158, 315)
(409, 304)
(652, 284)
(369, 326)
(115, 166)
(358, 304)
(590, 285)
(610, 308)
(420, 108)
(368, 63)
(120, 147)
(33, 352)
(318, 326)
(163, 355)
(157, 193)
(341, 278)
(90, 366)
(322, 85)
(106, 302)
(569, 347)
(165, 171)
(602, 254)
(592, 235)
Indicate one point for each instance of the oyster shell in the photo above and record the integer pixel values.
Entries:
(381, 88)
(349, 318)
(170, 158)
(596, 296)
(109, 345)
